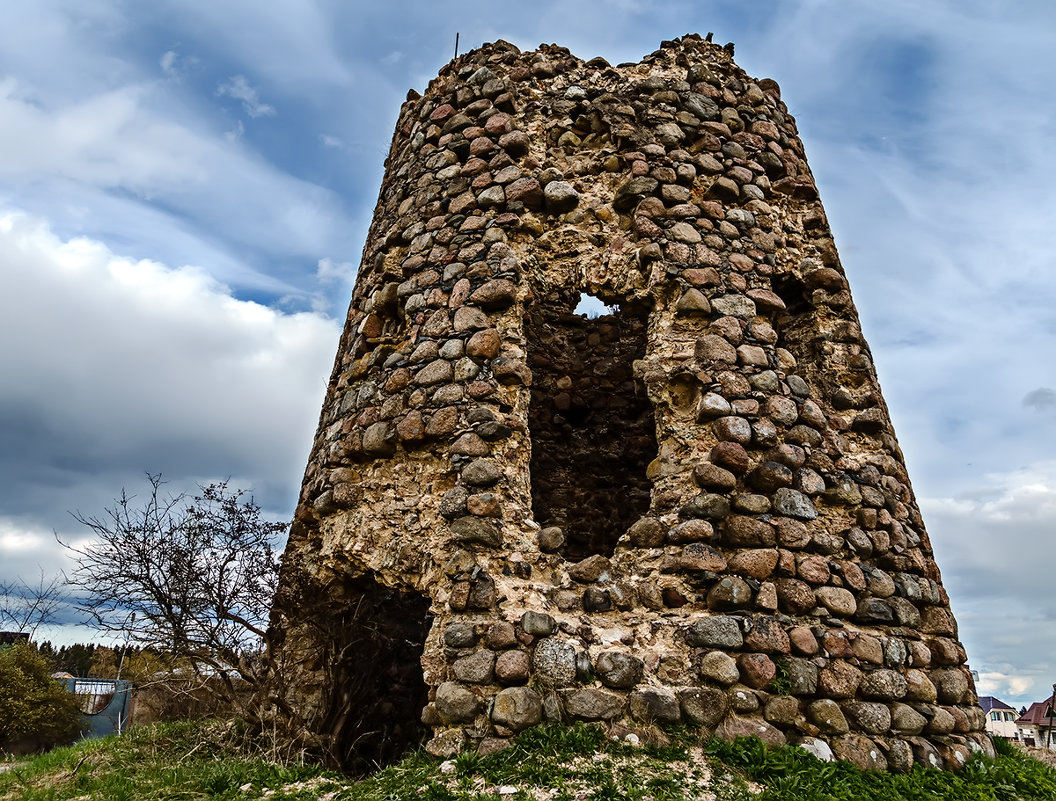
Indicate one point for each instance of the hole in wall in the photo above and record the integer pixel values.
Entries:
(593, 307)
(592, 427)
(377, 688)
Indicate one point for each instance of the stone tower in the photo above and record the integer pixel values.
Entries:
(690, 508)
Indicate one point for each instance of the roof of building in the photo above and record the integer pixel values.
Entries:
(988, 702)
(1035, 715)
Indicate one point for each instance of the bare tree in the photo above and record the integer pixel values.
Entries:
(25, 607)
(191, 577)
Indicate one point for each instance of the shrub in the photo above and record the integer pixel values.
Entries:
(36, 710)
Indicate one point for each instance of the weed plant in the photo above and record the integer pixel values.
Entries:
(188, 760)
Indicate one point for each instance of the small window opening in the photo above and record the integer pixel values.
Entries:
(592, 307)
(592, 427)
(377, 688)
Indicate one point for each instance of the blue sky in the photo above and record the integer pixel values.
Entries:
(185, 188)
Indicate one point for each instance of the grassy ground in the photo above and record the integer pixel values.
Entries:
(188, 761)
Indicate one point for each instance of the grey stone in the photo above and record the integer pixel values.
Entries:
(952, 685)
(466, 369)
(456, 704)
(593, 704)
(633, 191)
(447, 743)
(798, 385)
(733, 727)
(907, 720)
(379, 439)
(684, 232)
(551, 539)
(899, 756)
(712, 404)
(538, 624)
(827, 716)
(873, 610)
(476, 529)
(436, 372)
(619, 670)
(517, 708)
(782, 711)
(655, 705)
(742, 699)
(709, 506)
(460, 635)
(554, 662)
(802, 676)
(693, 301)
(735, 306)
(703, 706)
(482, 473)
(477, 668)
(730, 593)
(715, 632)
(560, 197)
(870, 717)
(492, 196)
(791, 503)
(720, 667)
(883, 685)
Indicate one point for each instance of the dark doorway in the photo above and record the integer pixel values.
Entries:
(377, 688)
(592, 427)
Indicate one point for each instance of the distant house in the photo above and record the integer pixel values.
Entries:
(1037, 726)
(1000, 718)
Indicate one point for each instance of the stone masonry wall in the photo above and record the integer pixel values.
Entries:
(690, 509)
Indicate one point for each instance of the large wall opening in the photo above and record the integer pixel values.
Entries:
(377, 690)
(592, 428)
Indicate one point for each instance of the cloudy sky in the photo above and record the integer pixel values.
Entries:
(185, 186)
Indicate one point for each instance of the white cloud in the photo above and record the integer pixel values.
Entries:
(168, 62)
(994, 545)
(15, 539)
(124, 366)
(329, 270)
(124, 146)
(1002, 685)
(331, 141)
(238, 88)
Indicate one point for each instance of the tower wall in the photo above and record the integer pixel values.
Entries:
(692, 508)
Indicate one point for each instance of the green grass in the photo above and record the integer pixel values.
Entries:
(184, 760)
(213, 761)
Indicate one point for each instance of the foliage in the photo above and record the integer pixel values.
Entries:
(188, 577)
(32, 704)
(791, 773)
(75, 659)
(183, 760)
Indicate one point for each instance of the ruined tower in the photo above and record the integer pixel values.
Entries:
(689, 508)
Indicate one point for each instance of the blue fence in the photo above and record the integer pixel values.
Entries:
(106, 704)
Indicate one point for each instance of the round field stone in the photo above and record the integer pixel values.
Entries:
(517, 708)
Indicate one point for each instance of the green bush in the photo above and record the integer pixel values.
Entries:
(33, 705)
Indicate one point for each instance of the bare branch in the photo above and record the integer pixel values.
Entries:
(188, 576)
(25, 607)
